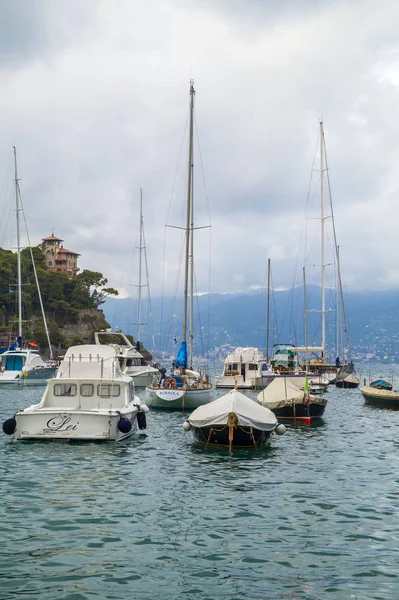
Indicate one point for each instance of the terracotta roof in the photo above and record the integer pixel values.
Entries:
(63, 250)
(52, 238)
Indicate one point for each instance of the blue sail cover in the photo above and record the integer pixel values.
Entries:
(14, 346)
(181, 358)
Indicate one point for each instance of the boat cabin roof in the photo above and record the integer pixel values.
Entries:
(245, 355)
(89, 362)
(117, 340)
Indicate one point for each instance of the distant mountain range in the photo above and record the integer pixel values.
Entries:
(229, 320)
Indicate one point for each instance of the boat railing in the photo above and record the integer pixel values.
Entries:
(89, 366)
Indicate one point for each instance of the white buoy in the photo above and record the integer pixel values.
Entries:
(186, 425)
(280, 429)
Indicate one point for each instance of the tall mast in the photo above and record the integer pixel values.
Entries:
(268, 310)
(338, 308)
(191, 263)
(140, 257)
(323, 307)
(189, 225)
(305, 323)
(19, 277)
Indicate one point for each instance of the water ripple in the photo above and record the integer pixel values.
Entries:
(313, 516)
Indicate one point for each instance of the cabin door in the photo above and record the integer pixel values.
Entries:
(243, 371)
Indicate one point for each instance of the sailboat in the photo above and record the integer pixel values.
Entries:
(185, 388)
(289, 394)
(131, 361)
(21, 363)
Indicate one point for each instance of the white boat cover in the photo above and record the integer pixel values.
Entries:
(248, 412)
(283, 392)
(351, 379)
(379, 394)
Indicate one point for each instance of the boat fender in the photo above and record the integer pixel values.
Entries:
(170, 383)
(141, 420)
(124, 425)
(280, 429)
(186, 425)
(9, 426)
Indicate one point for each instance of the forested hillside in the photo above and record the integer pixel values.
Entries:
(69, 302)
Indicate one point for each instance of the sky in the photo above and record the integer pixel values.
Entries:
(95, 96)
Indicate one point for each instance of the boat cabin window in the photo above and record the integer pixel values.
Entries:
(133, 362)
(86, 389)
(65, 389)
(252, 367)
(264, 367)
(108, 390)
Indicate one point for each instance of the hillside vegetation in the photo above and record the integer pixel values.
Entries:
(71, 304)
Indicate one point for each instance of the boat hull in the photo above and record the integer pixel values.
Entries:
(381, 398)
(144, 379)
(348, 385)
(32, 377)
(244, 437)
(300, 412)
(229, 383)
(78, 425)
(177, 399)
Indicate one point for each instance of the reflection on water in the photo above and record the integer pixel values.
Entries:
(312, 516)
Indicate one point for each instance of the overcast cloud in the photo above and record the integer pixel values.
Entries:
(95, 96)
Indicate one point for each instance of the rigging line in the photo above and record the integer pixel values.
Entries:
(303, 238)
(177, 167)
(163, 335)
(202, 171)
(198, 313)
(205, 353)
(151, 319)
(162, 287)
(35, 273)
(7, 179)
(339, 282)
(274, 304)
(174, 297)
(9, 207)
(303, 233)
(209, 291)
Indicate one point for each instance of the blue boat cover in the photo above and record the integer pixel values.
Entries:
(181, 358)
(14, 346)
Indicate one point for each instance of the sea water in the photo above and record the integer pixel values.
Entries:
(313, 516)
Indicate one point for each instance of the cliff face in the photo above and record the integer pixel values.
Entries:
(82, 332)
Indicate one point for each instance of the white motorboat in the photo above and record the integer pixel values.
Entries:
(25, 366)
(233, 420)
(131, 361)
(245, 368)
(186, 388)
(89, 399)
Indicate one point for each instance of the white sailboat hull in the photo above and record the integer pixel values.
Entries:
(171, 399)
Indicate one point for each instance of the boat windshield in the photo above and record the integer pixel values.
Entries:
(14, 363)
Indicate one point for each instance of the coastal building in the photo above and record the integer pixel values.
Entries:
(59, 258)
